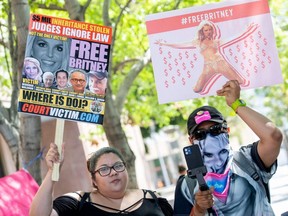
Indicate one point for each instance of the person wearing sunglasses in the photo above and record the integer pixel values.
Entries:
(78, 81)
(232, 191)
(110, 195)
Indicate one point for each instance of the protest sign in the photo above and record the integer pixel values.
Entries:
(65, 69)
(196, 50)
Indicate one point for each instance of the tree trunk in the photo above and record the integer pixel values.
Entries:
(112, 119)
(9, 133)
(30, 144)
(117, 138)
(30, 133)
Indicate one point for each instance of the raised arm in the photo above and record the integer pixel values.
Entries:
(270, 136)
(185, 45)
(225, 42)
(42, 203)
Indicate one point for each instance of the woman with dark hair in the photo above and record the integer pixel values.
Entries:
(109, 197)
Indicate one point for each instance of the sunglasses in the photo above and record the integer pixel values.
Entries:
(81, 81)
(214, 130)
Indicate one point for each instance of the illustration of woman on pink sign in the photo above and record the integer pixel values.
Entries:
(215, 62)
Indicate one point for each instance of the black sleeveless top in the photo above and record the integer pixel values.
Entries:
(69, 206)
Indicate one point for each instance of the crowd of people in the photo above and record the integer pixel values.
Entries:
(231, 190)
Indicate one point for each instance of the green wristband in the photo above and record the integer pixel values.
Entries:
(237, 103)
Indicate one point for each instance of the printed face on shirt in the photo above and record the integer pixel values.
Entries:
(96, 85)
(49, 53)
(61, 80)
(115, 183)
(214, 150)
(31, 70)
(78, 82)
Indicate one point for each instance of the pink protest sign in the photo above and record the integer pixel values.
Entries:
(196, 50)
(17, 192)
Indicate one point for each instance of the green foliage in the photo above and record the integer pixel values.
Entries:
(141, 105)
(5, 75)
(142, 102)
(132, 41)
(276, 97)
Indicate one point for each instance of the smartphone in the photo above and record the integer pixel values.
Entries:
(196, 167)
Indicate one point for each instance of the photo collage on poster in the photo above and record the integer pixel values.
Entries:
(65, 69)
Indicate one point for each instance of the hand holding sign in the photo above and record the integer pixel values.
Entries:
(58, 141)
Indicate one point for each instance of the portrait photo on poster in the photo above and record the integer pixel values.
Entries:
(32, 70)
(52, 54)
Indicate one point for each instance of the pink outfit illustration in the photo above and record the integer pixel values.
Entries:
(215, 60)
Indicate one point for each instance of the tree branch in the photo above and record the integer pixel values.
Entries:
(105, 13)
(123, 63)
(21, 11)
(131, 76)
(75, 10)
(119, 17)
(51, 7)
(86, 5)
(107, 22)
(5, 52)
(9, 133)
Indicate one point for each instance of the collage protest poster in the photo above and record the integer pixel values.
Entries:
(196, 50)
(65, 69)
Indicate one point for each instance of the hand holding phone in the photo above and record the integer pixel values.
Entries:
(196, 167)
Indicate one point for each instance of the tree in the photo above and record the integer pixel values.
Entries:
(276, 98)
(30, 125)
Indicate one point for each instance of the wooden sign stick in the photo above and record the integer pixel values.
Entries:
(59, 131)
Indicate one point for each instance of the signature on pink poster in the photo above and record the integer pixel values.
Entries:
(194, 57)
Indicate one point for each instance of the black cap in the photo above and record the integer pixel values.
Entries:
(201, 114)
(98, 74)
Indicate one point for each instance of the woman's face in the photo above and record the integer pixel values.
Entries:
(113, 185)
(208, 31)
(31, 70)
(215, 154)
(49, 53)
(214, 149)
